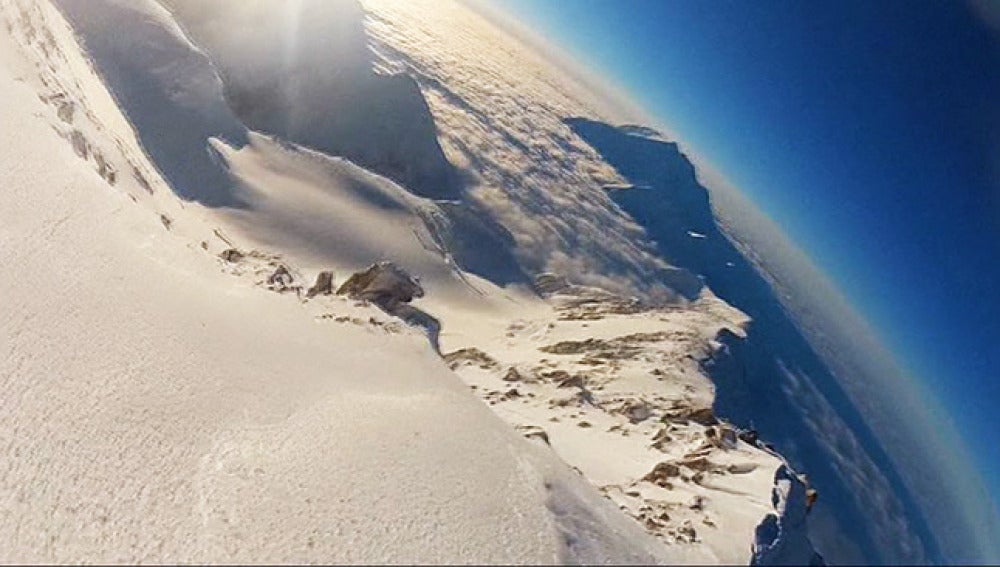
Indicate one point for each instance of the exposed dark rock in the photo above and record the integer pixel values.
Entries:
(697, 503)
(66, 111)
(513, 375)
(741, 468)
(722, 436)
(687, 533)
(661, 473)
(281, 279)
(232, 255)
(662, 439)
(548, 284)
(700, 464)
(556, 375)
(384, 284)
(701, 416)
(105, 169)
(574, 347)
(564, 379)
(635, 410)
(812, 495)
(80, 144)
(392, 289)
(598, 351)
(323, 285)
(470, 355)
(749, 436)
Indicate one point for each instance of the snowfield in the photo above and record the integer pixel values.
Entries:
(166, 401)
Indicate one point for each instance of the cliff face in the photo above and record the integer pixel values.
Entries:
(782, 538)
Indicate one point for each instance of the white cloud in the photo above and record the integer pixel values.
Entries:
(499, 107)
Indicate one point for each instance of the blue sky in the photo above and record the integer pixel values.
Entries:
(869, 131)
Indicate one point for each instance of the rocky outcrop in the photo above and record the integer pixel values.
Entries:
(635, 410)
(722, 436)
(701, 416)
(323, 285)
(470, 356)
(232, 255)
(548, 283)
(391, 288)
(384, 284)
(662, 473)
(281, 278)
(513, 375)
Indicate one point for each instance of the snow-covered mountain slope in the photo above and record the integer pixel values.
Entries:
(157, 408)
(163, 403)
(788, 361)
(164, 85)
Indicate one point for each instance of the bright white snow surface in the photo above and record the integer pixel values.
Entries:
(160, 404)
(157, 409)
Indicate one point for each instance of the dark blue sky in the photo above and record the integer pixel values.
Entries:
(869, 131)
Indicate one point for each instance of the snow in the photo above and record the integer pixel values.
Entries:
(158, 408)
(164, 85)
(586, 427)
(331, 214)
(164, 404)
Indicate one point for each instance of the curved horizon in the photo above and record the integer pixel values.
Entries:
(850, 285)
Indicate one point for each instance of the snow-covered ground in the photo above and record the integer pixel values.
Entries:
(163, 403)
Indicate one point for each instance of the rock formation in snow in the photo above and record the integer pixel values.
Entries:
(384, 284)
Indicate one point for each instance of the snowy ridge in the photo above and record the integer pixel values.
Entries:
(169, 402)
(165, 86)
